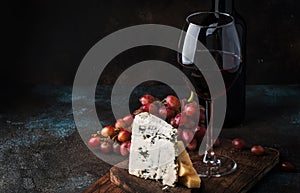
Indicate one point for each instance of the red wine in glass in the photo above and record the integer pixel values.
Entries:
(230, 71)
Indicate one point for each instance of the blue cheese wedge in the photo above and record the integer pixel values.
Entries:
(154, 150)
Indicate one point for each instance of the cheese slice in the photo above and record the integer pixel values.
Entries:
(154, 153)
(187, 174)
(154, 150)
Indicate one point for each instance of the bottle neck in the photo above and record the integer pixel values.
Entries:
(225, 6)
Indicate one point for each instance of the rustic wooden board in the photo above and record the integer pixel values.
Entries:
(250, 170)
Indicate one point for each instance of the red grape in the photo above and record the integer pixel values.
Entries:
(128, 119)
(116, 148)
(217, 142)
(257, 150)
(200, 132)
(138, 111)
(106, 147)
(145, 108)
(183, 102)
(124, 149)
(165, 112)
(153, 108)
(108, 131)
(94, 141)
(158, 104)
(202, 125)
(188, 123)
(202, 117)
(173, 123)
(287, 167)
(129, 128)
(128, 145)
(187, 135)
(120, 124)
(177, 120)
(172, 102)
(146, 99)
(124, 135)
(192, 146)
(202, 109)
(162, 112)
(182, 120)
(170, 113)
(239, 144)
(191, 109)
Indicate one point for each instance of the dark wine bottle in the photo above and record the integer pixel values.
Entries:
(235, 111)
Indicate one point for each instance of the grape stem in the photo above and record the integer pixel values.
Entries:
(191, 98)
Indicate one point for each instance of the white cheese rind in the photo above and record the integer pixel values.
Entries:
(153, 151)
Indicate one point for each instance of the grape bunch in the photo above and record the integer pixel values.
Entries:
(114, 138)
(186, 115)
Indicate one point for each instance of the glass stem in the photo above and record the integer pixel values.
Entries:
(209, 155)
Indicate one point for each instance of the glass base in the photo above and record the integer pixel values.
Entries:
(221, 166)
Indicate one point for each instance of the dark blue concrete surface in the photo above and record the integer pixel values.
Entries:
(41, 150)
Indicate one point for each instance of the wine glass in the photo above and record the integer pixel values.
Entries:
(217, 35)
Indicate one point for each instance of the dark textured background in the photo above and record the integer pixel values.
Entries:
(46, 40)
